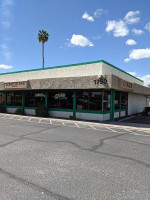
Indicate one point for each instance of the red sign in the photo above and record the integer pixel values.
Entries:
(17, 85)
(127, 84)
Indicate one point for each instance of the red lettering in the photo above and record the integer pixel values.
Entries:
(127, 84)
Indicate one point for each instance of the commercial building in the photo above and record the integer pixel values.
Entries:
(92, 91)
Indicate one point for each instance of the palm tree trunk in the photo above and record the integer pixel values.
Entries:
(43, 52)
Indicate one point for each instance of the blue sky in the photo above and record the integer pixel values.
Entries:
(80, 31)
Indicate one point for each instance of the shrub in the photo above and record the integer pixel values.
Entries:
(19, 111)
(2, 109)
(72, 118)
(41, 111)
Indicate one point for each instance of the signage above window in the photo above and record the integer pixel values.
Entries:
(16, 85)
(101, 80)
(127, 85)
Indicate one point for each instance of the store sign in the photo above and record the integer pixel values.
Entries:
(101, 80)
(60, 95)
(39, 95)
(127, 85)
(16, 85)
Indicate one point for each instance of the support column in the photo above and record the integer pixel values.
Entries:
(46, 99)
(112, 104)
(120, 105)
(5, 99)
(74, 104)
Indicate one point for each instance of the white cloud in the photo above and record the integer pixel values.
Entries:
(119, 28)
(87, 17)
(5, 66)
(80, 40)
(5, 24)
(137, 32)
(147, 27)
(99, 12)
(131, 17)
(133, 73)
(7, 2)
(127, 60)
(3, 46)
(96, 37)
(137, 54)
(6, 13)
(130, 42)
(7, 55)
(146, 79)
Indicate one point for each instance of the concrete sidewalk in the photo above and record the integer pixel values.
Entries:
(104, 124)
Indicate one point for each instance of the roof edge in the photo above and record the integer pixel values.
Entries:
(121, 70)
(71, 65)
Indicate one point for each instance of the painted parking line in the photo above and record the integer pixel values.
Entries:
(16, 117)
(54, 122)
(34, 119)
(25, 118)
(82, 125)
(85, 125)
(7, 117)
(111, 129)
(70, 124)
(45, 121)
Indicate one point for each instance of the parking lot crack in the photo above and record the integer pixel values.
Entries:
(94, 150)
(133, 142)
(101, 142)
(8, 143)
(34, 186)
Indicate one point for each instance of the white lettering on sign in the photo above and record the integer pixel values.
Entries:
(127, 84)
(17, 85)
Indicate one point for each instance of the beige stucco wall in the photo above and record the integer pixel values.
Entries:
(85, 82)
(136, 103)
(108, 70)
(93, 69)
(73, 71)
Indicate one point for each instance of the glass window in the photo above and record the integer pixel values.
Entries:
(1, 98)
(124, 100)
(106, 100)
(34, 99)
(89, 100)
(117, 100)
(14, 98)
(39, 99)
(60, 100)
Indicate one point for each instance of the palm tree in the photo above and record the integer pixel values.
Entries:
(43, 37)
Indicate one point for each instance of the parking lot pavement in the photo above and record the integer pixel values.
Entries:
(46, 159)
(142, 119)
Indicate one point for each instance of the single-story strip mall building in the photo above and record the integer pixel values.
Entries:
(91, 91)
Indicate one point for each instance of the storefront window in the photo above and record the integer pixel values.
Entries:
(89, 100)
(14, 98)
(1, 98)
(117, 100)
(60, 100)
(124, 100)
(34, 99)
(106, 100)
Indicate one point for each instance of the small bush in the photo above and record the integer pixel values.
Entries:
(72, 118)
(2, 109)
(41, 111)
(19, 111)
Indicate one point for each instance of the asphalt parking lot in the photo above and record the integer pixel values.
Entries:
(50, 159)
(139, 119)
